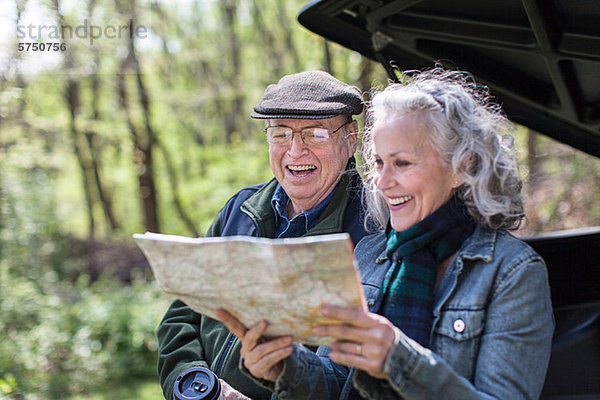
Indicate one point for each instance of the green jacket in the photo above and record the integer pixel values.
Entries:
(187, 339)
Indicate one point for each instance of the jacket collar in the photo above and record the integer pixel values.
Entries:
(258, 208)
(479, 246)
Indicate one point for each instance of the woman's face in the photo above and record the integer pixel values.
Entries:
(409, 172)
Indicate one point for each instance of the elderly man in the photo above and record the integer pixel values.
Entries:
(316, 190)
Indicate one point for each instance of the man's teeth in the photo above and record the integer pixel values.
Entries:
(399, 200)
(301, 167)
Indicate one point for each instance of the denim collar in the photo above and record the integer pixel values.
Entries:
(480, 245)
(301, 223)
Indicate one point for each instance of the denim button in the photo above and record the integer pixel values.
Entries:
(459, 326)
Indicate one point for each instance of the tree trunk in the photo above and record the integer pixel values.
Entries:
(105, 198)
(229, 11)
(327, 57)
(174, 183)
(142, 159)
(103, 194)
(532, 160)
(147, 178)
(268, 41)
(287, 25)
(144, 137)
(366, 70)
(143, 146)
(72, 99)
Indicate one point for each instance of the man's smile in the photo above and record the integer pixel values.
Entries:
(301, 170)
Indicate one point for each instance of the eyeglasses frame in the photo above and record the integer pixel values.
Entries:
(302, 138)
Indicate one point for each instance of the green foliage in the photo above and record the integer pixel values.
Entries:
(139, 390)
(199, 99)
(224, 172)
(57, 338)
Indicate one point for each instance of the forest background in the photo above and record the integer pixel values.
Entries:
(147, 129)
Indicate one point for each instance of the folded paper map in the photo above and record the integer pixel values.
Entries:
(285, 281)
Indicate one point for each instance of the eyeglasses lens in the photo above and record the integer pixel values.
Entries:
(284, 135)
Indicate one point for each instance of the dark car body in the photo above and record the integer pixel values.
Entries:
(541, 60)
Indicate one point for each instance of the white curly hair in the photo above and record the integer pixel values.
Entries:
(469, 132)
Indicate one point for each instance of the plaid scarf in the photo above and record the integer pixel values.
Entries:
(416, 253)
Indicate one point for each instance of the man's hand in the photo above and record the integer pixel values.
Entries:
(263, 358)
(229, 393)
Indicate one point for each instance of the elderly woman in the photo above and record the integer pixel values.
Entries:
(459, 308)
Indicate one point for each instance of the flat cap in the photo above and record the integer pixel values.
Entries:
(308, 95)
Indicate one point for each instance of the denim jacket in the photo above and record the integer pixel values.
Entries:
(490, 338)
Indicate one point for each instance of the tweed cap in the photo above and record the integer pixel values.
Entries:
(308, 95)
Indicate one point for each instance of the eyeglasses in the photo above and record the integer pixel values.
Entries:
(310, 136)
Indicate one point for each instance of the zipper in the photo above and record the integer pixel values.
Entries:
(228, 344)
(231, 337)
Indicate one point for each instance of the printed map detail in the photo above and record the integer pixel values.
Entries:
(285, 281)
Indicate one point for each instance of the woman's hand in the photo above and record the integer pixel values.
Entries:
(363, 340)
(263, 358)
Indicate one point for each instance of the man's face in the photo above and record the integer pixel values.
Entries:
(309, 173)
